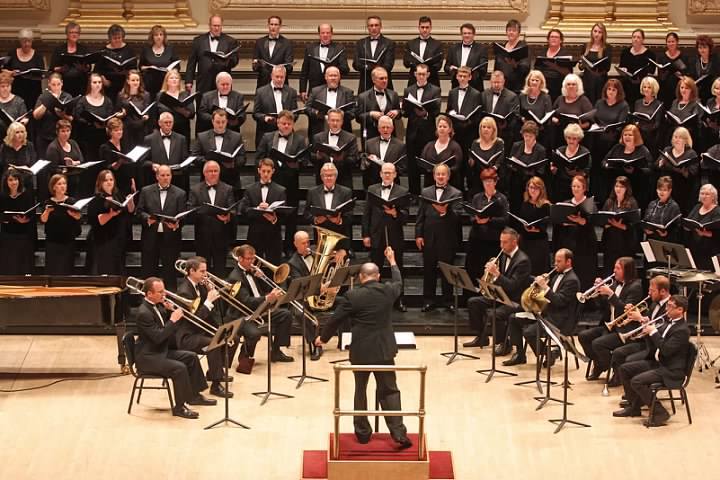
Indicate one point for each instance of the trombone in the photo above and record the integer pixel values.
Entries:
(624, 319)
(188, 307)
(225, 289)
(593, 291)
(638, 332)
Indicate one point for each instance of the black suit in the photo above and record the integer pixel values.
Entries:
(514, 279)
(506, 103)
(316, 197)
(638, 349)
(158, 154)
(281, 318)
(344, 161)
(367, 102)
(266, 237)
(433, 52)
(282, 54)
(477, 56)
(394, 153)
(442, 237)
(597, 342)
(420, 129)
(155, 353)
(265, 104)
(286, 174)
(312, 73)
(165, 245)
(465, 130)
(212, 236)
(209, 67)
(373, 343)
(299, 269)
(363, 49)
(210, 102)
(229, 170)
(317, 118)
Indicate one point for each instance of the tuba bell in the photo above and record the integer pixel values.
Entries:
(324, 263)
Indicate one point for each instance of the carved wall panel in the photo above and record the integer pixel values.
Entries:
(704, 7)
(512, 6)
(20, 5)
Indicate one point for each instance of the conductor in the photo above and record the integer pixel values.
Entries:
(373, 343)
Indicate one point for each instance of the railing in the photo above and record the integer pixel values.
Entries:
(420, 412)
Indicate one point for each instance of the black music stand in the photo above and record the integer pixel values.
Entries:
(344, 276)
(568, 346)
(222, 338)
(300, 289)
(673, 254)
(538, 382)
(459, 279)
(496, 294)
(267, 306)
(551, 335)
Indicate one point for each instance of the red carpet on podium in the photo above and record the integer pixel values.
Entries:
(381, 447)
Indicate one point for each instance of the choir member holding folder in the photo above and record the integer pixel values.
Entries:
(532, 221)
(710, 165)
(18, 231)
(648, 114)
(595, 62)
(556, 63)
(619, 218)
(73, 61)
(53, 104)
(535, 103)
(176, 100)
(137, 108)
(115, 60)
(91, 113)
(156, 59)
(702, 228)
(62, 225)
(444, 150)
(685, 111)
(632, 159)
(570, 107)
(635, 65)
(329, 205)
(527, 159)
(512, 57)
(681, 163)
(488, 151)
(662, 216)
(671, 65)
(569, 160)
(124, 169)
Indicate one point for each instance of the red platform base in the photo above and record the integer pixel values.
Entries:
(380, 448)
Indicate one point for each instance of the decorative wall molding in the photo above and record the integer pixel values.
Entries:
(386, 6)
(22, 5)
(133, 14)
(617, 15)
(703, 7)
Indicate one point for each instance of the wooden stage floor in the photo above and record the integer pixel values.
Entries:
(80, 430)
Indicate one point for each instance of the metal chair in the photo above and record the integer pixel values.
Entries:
(680, 386)
(128, 342)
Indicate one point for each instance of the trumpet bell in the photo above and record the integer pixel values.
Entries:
(580, 297)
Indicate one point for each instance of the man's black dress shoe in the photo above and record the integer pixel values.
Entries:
(658, 419)
(614, 381)
(503, 349)
(229, 378)
(202, 401)
(596, 373)
(627, 412)
(477, 342)
(400, 307)
(279, 356)
(219, 391)
(516, 359)
(363, 439)
(316, 354)
(184, 412)
(427, 307)
(403, 442)
(554, 355)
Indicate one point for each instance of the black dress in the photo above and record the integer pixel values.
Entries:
(582, 241)
(594, 79)
(553, 77)
(703, 248)
(111, 71)
(45, 127)
(662, 213)
(617, 242)
(60, 232)
(17, 240)
(690, 114)
(535, 244)
(27, 88)
(633, 63)
(685, 190)
(453, 149)
(704, 75)
(74, 74)
(667, 77)
(601, 142)
(484, 240)
(514, 75)
(539, 106)
(152, 78)
(581, 164)
(519, 175)
(125, 172)
(492, 157)
(91, 134)
(15, 107)
(26, 156)
(107, 242)
(649, 119)
(639, 173)
(80, 184)
(579, 107)
(134, 126)
(710, 170)
(181, 122)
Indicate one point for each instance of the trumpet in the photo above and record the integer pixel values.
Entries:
(487, 276)
(188, 307)
(638, 332)
(225, 289)
(593, 292)
(624, 319)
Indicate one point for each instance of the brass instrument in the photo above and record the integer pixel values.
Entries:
(280, 272)
(487, 276)
(593, 291)
(638, 332)
(188, 307)
(624, 319)
(324, 263)
(533, 299)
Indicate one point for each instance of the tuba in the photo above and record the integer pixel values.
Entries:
(324, 263)
(533, 298)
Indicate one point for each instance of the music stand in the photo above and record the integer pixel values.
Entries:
(459, 279)
(224, 334)
(551, 335)
(300, 289)
(674, 254)
(344, 276)
(267, 306)
(496, 294)
(568, 346)
(538, 366)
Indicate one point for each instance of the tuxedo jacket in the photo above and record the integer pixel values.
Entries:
(631, 293)
(432, 49)
(295, 143)
(421, 130)
(298, 267)
(208, 229)
(367, 102)
(345, 161)
(149, 204)
(472, 100)
(253, 197)
(672, 351)
(478, 55)
(282, 55)
(515, 276)
(245, 293)
(312, 74)
(187, 328)
(394, 153)
(206, 143)
(155, 339)
(265, 103)
(562, 309)
(316, 197)
(363, 49)
(317, 119)
(207, 67)
(505, 104)
(210, 102)
(375, 220)
(178, 149)
(442, 234)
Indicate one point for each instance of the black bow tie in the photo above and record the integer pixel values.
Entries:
(374, 39)
(334, 134)
(322, 45)
(211, 187)
(328, 191)
(219, 134)
(463, 89)
(379, 93)
(286, 137)
(277, 89)
(385, 140)
(438, 187)
(164, 189)
(214, 38)
(387, 187)
(332, 89)
(272, 39)
(168, 136)
(467, 46)
(496, 94)
(265, 185)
